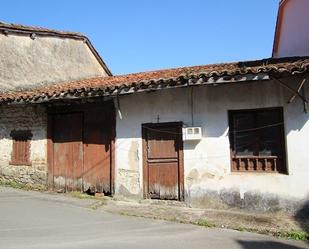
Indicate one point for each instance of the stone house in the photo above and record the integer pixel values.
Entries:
(33, 57)
(220, 135)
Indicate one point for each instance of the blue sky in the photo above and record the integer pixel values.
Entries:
(142, 35)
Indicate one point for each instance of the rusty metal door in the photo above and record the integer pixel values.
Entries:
(163, 161)
(68, 151)
(97, 151)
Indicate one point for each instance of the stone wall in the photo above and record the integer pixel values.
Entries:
(27, 63)
(33, 118)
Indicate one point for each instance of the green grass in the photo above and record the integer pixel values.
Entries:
(293, 234)
(204, 223)
(247, 229)
(82, 196)
(18, 185)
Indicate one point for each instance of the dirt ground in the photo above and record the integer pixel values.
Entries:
(278, 224)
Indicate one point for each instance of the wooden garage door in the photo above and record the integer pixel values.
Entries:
(68, 151)
(80, 149)
(163, 163)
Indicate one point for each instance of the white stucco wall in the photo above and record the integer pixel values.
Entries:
(294, 35)
(26, 63)
(33, 118)
(207, 162)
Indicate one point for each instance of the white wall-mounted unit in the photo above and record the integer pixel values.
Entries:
(192, 133)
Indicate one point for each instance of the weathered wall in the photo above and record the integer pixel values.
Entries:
(294, 35)
(208, 177)
(32, 118)
(27, 63)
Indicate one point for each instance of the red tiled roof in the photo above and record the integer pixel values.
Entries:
(102, 86)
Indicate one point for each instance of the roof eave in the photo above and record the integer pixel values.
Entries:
(125, 90)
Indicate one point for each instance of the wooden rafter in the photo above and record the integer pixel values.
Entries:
(295, 92)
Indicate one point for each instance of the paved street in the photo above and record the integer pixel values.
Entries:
(36, 220)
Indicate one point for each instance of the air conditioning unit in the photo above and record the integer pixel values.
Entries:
(192, 133)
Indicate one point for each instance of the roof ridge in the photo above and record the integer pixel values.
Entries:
(247, 63)
(37, 29)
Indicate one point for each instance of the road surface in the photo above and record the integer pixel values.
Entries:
(39, 220)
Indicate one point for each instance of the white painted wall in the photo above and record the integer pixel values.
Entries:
(294, 35)
(207, 163)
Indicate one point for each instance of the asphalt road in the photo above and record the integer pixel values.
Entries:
(36, 220)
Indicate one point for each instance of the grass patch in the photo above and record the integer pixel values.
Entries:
(82, 196)
(18, 185)
(204, 223)
(293, 234)
(245, 229)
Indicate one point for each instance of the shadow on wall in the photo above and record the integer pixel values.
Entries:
(267, 245)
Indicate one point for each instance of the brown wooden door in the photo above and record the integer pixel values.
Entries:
(80, 154)
(68, 151)
(163, 163)
(97, 151)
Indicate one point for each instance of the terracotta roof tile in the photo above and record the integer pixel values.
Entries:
(152, 79)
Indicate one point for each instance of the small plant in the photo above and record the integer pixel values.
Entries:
(124, 213)
(246, 229)
(294, 234)
(17, 185)
(204, 223)
(242, 229)
(80, 195)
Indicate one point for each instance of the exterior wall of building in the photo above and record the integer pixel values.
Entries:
(209, 181)
(31, 118)
(293, 39)
(26, 62)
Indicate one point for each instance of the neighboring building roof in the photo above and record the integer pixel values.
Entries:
(7, 28)
(154, 80)
(291, 32)
(280, 13)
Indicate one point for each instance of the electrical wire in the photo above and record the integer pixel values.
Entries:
(235, 131)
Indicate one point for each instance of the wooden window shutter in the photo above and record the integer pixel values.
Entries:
(257, 140)
(21, 147)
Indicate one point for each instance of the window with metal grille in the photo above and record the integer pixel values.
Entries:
(21, 147)
(257, 140)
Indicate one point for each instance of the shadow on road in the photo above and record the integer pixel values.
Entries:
(302, 217)
(266, 245)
